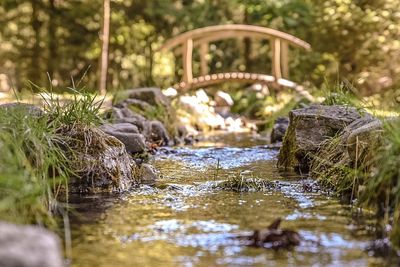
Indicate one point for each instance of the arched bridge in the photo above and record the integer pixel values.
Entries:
(200, 38)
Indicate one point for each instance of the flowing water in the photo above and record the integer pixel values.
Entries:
(185, 221)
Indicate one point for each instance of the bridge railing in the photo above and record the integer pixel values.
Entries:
(201, 38)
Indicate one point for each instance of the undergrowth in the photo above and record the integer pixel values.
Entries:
(34, 166)
(383, 187)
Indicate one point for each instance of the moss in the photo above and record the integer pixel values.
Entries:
(287, 154)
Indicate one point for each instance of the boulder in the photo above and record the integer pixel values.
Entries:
(120, 127)
(114, 114)
(361, 137)
(29, 246)
(135, 143)
(353, 149)
(308, 128)
(279, 129)
(137, 104)
(141, 124)
(100, 161)
(152, 96)
(158, 134)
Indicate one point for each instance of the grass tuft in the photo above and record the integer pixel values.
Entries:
(239, 183)
(35, 163)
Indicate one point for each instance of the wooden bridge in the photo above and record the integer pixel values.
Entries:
(200, 38)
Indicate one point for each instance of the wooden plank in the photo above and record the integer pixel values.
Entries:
(276, 58)
(187, 61)
(285, 59)
(237, 28)
(204, 59)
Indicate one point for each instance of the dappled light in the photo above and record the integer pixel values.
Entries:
(199, 133)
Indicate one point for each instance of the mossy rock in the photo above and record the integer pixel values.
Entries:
(308, 129)
(100, 161)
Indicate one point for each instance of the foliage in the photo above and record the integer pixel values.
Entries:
(383, 188)
(35, 163)
(33, 167)
(341, 93)
(358, 39)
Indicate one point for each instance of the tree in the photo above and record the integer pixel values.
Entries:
(105, 38)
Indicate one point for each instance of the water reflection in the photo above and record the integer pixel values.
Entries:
(187, 222)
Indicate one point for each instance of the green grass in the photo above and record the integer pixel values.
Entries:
(341, 93)
(33, 168)
(383, 187)
(35, 163)
(239, 183)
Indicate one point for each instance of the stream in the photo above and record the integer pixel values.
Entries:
(185, 221)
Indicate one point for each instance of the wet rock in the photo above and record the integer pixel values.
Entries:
(30, 109)
(127, 113)
(152, 96)
(354, 146)
(128, 134)
(361, 136)
(275, 238)
(278, 131)
(223, 99)
(28, 246)
(147, 174)
(114, 114)
(100, 161)
(158, 133)
(137, 104)
(119, 127)
(141, 124)
(308, 128)
(135, 143)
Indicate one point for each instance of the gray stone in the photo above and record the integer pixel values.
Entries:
(115, 113)
(127, 113)
(142, 125)
(120, 127)
(134, 142)
(158, 133)
(147, 174)
(28, 246)
(354, 147)
(153, 96)
(137, 104)
(362, 136)
(100, 161)
(308, 128)
(279, 129)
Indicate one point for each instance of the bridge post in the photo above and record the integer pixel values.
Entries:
(203, 59)
(285, 59)
(276, 58)
(187, 61)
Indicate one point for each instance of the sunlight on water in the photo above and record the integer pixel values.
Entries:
(188, 222)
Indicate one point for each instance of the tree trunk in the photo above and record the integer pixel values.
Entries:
(52, 28)
(34, 74)
(105, 38)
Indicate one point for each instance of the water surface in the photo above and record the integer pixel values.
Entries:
(185, 221)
